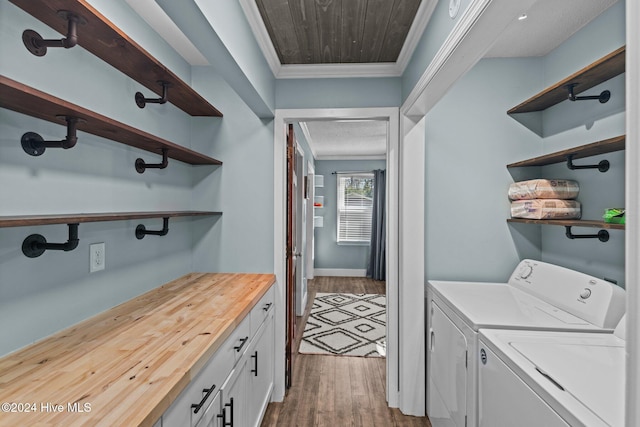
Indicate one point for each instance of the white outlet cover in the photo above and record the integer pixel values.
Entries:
(96, 257)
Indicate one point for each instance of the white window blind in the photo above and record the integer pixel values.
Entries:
(355, 202)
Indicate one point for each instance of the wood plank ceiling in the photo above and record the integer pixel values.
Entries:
(337, 31)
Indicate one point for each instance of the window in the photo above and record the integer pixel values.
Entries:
(355, 201)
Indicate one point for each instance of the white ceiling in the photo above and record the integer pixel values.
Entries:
(548, 24)
(342, 139)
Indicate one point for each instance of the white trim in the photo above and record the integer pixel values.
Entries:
(328, 71)
(393, 259)
(250, 9)
(423, 16)
(340, 272)
(411, 272)
(354, 157)
(307, 135)
(632, 232)
(309, 71)
(279, 179)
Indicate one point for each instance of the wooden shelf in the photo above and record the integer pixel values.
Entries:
(30, 220)
(600, 71)
(569, 222)
(600, 147)
(106, 41)
(27, 100)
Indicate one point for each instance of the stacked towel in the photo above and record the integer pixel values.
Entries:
(545, 199)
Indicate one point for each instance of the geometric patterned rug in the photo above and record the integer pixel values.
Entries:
(345, 325)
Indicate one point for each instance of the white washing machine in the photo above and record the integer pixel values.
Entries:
(541, 378)
(538, 296)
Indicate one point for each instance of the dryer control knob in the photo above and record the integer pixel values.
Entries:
(526, 271)
(586, 293)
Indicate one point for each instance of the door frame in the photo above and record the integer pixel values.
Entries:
(282, 118)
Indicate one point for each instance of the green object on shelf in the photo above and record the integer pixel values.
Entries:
(614, 216)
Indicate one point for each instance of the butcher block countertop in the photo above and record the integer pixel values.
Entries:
(125, 366)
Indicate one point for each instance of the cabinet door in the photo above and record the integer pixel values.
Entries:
(447, 398)
(260, 372)
(234, 396)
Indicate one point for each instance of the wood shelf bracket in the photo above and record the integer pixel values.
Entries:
(602, 166)
(34, 145)
(604, 96)
(141, 101)
(142, 231)
(36, 244)
(141, 165)
(38, 46)
(602, 235)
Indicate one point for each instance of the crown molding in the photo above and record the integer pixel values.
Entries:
(419, 24)
(328, 71)
(318, 71)
(250, 9)
(353, 157)
(307, 136)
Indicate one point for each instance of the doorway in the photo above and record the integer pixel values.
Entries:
(391, 116)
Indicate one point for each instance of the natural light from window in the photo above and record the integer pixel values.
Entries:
(355, 202)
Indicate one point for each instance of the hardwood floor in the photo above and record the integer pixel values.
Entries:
(337, 391)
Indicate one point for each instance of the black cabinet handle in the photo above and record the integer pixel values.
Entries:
(223, 415)
(197, 406)
(224, 419)
(242, 343)
(267, 306)
(255, 356)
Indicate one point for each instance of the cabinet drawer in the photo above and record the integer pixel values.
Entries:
(215, 371)
(262, 309)
(210, 417)
(181, 413)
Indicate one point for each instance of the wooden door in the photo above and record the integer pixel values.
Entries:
(290, 255)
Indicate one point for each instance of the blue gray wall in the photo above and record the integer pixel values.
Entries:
(467, 237)
(439, 28)
(469, 141)
(330, 254)
(43, 295)
(338, 93)
(570, 124)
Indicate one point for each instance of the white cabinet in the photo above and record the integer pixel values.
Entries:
(234, 387)
(260, 369)
(212, 416)
(234, 397)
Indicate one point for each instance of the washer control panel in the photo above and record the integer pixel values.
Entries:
(587, 297)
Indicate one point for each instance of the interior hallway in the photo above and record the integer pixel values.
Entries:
(337, 391)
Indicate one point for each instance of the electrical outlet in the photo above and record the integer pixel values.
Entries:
(96, 257)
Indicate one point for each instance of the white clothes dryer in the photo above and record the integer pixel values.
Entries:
(538, 296)
(542, 378)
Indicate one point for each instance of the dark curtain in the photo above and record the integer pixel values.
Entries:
(376, 268)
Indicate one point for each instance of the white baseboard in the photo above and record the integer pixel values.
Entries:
(343, 272)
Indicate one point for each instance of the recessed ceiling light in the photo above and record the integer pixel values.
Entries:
(522, 17)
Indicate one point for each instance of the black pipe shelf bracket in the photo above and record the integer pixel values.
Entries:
(34, 145)
(38, 46)
(35, 244)
(602, 235)
(142, 231)
(602, 166)
(141, 165)
(141, 101)
(604, 96)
